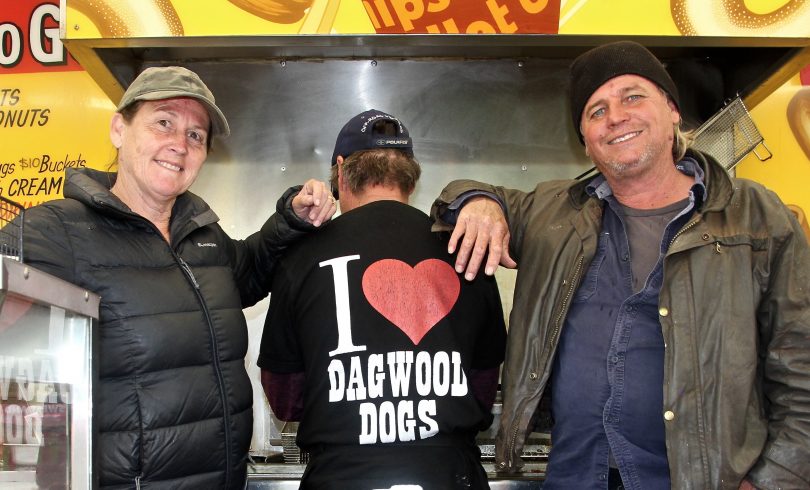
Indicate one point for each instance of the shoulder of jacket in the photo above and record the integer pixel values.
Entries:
(572, 192)
(754, 195)
(751, 186)
(58, 208)
(752, 205)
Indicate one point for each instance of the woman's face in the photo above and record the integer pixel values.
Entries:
(163, 147)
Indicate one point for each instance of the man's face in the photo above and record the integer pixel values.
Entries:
(628, 125)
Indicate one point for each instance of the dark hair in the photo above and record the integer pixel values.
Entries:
(128, 113)
(380, 166)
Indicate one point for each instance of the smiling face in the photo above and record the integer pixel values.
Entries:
(628, 126)
(161, 149)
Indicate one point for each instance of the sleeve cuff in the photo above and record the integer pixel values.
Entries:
(285, 209)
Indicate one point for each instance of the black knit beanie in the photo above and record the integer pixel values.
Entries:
(595, 67)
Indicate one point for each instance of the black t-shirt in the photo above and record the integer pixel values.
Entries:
(386, 332)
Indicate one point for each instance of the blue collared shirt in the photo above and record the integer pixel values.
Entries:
(607, 395)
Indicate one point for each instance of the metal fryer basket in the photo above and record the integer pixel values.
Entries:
(730, 135)
(291, 452)
(11, 228)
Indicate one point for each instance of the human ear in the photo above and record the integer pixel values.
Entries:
(117, 128)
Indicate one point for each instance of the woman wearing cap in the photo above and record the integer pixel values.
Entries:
(173, 405)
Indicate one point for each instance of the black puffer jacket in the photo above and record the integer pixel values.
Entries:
(173, 405)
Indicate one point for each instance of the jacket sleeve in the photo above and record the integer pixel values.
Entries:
(784, 320)
(46, 246)
(515, 203)
(443, 212)
(255, 258)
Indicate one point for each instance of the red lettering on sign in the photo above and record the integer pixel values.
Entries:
(464, 16)
(29, 39)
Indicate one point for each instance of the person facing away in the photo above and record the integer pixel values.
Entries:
(662, 304)
(173, 404)
(389, 360)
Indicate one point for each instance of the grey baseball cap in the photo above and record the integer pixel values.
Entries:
(168, 82)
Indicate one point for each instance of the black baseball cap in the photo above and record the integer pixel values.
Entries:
(363, 133)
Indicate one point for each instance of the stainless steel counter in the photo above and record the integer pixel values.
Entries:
(254, 484)
(283, 470)
(287, 477)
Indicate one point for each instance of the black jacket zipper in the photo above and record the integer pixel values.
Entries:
(217, 368)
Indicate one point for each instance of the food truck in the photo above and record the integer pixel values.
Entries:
(481, 84)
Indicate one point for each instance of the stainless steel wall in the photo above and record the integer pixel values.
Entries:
(501, 121)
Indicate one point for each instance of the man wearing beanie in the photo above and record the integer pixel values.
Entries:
(661, 309)
(386, 356)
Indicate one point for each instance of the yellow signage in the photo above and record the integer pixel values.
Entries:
(52, 114)
(94, 19)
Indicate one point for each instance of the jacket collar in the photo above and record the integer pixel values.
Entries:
(92, 187)
(719, 186)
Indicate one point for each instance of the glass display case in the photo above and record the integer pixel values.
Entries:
(46, 380)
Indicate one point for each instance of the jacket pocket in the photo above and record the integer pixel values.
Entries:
(588, 285)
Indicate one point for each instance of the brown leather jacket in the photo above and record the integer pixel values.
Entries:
(734, 311)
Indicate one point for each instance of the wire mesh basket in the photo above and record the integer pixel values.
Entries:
(11, 229)
(730, 135)
(291, 452)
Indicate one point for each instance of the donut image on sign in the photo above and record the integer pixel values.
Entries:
(734, 18)
(131, 18)
(146, 18)
(798, 116)
(281, 11)
(318, 15)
